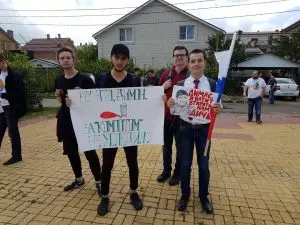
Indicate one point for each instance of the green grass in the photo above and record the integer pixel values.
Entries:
(45, 112)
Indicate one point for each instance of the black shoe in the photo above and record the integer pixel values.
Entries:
(98, 187)
(249, 121)
(163, 177)
(136, 201)
(75, 184)
(207, 206)
(174, 180)
(12, 161)
(103, 206)
(259, 122)
(182, 204)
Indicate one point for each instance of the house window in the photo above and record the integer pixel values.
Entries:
(187, 32)
(126, 34)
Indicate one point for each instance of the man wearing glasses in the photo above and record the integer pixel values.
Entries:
(169, 78)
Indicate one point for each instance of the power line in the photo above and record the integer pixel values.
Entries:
(112, 8)
(165, 22)
(122, 14)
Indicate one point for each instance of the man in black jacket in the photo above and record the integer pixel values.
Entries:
(12, 107)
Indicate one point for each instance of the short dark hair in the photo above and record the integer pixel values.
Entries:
(2, 57)
(181, 92)
(120, 49)
(151, 71)
(197, 51)
(65, 49)
(181, 48)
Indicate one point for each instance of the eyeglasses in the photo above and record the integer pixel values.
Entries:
(179, 56)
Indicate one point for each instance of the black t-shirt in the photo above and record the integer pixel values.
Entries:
(272, 83)
(129, 81)
(65, 125)
(154, 81)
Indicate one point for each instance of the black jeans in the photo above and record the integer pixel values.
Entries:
(8, 119)
(170, 132)
(109, 155)
(71, 147)
(257, 103)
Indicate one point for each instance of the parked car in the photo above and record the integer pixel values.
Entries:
(285, 87)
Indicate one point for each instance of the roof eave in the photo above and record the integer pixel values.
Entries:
(163, 2)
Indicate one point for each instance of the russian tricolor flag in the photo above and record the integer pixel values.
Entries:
(223, 59)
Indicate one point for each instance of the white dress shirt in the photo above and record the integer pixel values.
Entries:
(203, 85)
(3, 75)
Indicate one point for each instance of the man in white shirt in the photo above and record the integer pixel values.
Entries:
(194, 132)
(256, 88)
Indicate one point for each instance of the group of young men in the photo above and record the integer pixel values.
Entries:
(188, 69)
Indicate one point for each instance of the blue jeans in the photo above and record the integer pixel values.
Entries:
(271, 96)
(170, 132)
(8, 119)
(189, 137)
(257, 103)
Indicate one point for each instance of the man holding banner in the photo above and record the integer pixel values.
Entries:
(72, 79)
(195, 131)
(118, 77)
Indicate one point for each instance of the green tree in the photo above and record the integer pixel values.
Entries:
(287, 46)
(87, 53)
(20, 63)
(218, 42)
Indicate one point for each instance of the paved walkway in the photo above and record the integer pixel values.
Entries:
(255, 179)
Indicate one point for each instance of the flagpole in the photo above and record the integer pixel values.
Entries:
(223, 70)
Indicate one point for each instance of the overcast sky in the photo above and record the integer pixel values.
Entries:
(84, 34)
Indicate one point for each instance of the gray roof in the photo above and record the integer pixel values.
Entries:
(267, 61)
(46, 63)
(254, 51)
(164, 3)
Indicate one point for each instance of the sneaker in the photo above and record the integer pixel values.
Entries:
(249, 121)
(174, 180)
(259, 122)
(12, 161)
(98, 187)
(182, 204)
(74, 185)
(163, 177)
(136, 201)
(103, 206)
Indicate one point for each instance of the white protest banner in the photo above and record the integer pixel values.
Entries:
(193, 103)
(117, 117)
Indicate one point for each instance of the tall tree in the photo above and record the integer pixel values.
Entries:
(218, 42)
(287, 46)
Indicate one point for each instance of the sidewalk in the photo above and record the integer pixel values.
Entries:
(255, 179)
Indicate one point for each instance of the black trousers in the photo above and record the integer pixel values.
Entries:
(8, 120)
(109, 156)
(71, 148)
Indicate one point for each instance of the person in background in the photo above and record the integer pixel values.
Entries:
(152, 79)
(273, 85)
(13, 106)
(256, 88)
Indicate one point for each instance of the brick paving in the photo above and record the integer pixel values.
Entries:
(255, 179)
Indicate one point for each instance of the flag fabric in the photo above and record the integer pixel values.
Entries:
(223, 58)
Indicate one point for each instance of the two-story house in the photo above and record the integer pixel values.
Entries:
(7, 41)
(152, 30)
(46, 48)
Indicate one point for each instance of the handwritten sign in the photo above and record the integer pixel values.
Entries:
(117, 117)
(193, 103)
